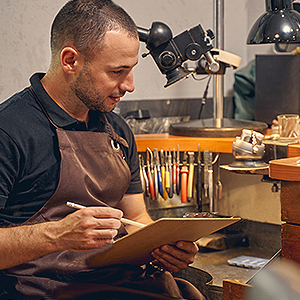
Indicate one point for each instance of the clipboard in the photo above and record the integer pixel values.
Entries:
(135, 248)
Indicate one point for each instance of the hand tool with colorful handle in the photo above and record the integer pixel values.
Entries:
(211, 190)
(142, 175)
(219, 186)
(163, 174)
(157, 164)
(174, 172)
(167, 173)
(209, 174)
(171, 174)
(190, 176)
(178, 172)
(205, 169)
(150, 178)
(146, 178)
(184, 176)
(154, 174)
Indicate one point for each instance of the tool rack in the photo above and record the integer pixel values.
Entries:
(173, 206)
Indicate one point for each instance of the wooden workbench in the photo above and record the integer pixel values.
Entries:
(288, 171)
(166, 141)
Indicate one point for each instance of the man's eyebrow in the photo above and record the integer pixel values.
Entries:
(124, 66)
(121, 67)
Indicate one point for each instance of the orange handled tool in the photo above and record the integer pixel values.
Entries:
(184, 178)
(191, 177)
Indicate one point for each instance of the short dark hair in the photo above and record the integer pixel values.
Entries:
(84, 23)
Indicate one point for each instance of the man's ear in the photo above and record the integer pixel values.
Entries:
(70, 58)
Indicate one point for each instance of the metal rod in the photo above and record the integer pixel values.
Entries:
(218, 96)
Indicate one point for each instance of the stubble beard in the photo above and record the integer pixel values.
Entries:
(83, 89)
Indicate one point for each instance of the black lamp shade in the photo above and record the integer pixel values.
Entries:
(279, 24)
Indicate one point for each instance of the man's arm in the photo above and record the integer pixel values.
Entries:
(134, 208)
(172, 258)
(86, 229)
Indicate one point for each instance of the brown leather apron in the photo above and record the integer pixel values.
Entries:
(93, 173)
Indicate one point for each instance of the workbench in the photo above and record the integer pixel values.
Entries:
(287, 170)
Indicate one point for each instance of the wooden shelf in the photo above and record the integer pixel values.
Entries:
(166, 141)
(294, 150)
(285, 169)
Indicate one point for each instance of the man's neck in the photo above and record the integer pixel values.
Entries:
(61, 94)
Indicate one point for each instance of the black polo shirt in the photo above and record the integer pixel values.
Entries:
(29, 153)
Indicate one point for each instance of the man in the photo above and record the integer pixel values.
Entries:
(59, 142)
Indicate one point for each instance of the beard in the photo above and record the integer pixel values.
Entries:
(84, 89)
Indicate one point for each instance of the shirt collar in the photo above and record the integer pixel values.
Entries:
(59, 116)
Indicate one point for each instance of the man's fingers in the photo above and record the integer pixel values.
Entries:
(103, 212)
(167, 261)
(88, 228)
(176, 258)
(189, 247)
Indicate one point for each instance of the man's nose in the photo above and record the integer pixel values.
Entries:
(128, 84)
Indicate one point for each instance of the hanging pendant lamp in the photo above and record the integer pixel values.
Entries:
(279, 24)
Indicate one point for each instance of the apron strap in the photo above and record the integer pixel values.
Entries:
(113, 135)
(44, 111)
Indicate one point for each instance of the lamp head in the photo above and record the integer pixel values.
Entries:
(279, 24)
(169, 53)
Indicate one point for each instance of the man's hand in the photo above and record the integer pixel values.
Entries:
(176, 258)
(86, 229)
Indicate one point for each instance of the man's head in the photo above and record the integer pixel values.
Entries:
(94, 47)
(84, 23)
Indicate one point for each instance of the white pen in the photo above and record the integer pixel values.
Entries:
(123, 220)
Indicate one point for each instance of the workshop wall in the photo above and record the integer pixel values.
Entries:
(248, 196)
(25, 27)
(24, 47)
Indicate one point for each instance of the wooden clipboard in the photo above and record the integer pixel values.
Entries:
(135, 248)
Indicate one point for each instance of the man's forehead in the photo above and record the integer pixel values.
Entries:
(118, 43)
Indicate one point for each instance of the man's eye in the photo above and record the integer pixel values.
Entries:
(117, 72)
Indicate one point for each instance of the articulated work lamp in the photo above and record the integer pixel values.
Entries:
(169, 53)
(280, 24)
(195, 44)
